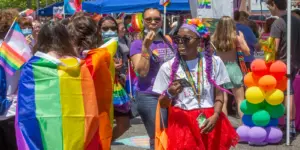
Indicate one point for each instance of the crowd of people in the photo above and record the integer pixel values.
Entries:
(190, 73)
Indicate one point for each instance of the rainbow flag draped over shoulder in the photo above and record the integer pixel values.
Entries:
(72, 6)
(14, 51)
(101, 66)
(57, 107)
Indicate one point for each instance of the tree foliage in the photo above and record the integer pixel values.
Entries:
(23, 4)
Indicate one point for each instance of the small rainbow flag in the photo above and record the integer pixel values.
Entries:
(165, 3)
(102, 68)
(131, 80)
(204, 4)
(57, 107)
(14, 51)
(72, 6)
(121, 99)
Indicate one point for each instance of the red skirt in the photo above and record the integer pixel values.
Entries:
(184, 133)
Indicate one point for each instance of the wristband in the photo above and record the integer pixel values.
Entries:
(169, 95)
(145, 55)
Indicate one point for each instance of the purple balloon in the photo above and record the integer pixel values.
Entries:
(274, 135)
(257, 135)
(258, 143)
(242, 131)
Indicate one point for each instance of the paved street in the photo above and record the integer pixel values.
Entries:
(137, 133)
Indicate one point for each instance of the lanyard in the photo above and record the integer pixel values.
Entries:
(196, 89)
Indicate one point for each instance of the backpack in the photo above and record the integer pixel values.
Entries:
(4, 103)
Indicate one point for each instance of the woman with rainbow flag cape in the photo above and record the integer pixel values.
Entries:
(191, 88)
(57, 104)
(99, 61)
(147, 56)
(109, 29)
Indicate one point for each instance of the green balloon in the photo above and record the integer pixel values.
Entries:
(276, 111)
(263, 104)
(261, 118)
(249, 108)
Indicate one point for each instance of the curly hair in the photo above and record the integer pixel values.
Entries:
(6, 19)
(84, 33)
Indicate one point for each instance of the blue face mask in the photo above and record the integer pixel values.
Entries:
(109, 34)
(27, 31)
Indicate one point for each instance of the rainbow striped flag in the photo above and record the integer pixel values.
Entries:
(57, 107)
(14, 51)
(121, 99)
(165, 3)
(72, 6)
(101, 66)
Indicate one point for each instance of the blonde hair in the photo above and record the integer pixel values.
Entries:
(224, 37)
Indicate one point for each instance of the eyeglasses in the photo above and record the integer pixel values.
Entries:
(156, 20)
(109, 28)
(185, 40)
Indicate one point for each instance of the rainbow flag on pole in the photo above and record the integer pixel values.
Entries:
(101, 65)
(165, 3)
(14, 51)
(57, 107)
(72, 6)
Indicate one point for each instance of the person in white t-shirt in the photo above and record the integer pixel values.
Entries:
(191, 87)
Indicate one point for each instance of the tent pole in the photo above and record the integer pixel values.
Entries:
(288, 70)
(165, 19)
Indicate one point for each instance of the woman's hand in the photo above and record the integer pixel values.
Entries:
(209, 124)
(174, 90)
(149, 39)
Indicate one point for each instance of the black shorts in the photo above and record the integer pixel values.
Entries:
(121, 114)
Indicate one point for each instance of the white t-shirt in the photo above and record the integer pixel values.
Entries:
(187, 99)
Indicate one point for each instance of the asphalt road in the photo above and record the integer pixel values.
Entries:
(138, 129)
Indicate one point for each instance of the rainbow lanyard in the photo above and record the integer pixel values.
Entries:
(196, 89)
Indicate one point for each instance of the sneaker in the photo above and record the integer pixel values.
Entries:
(292, 129)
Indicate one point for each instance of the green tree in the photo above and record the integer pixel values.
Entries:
(23, 4)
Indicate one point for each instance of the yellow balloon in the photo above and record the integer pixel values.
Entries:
(255, 95)
(275, 97)
(268, 46)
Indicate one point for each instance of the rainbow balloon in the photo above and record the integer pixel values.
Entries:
(137, 22)
(57, 107)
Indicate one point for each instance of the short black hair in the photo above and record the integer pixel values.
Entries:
(145, 10)
(296, 11)
(280, 4)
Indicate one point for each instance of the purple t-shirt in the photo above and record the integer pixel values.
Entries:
(160, 54)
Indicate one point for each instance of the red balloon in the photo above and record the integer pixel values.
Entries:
(282, 84)
(278, 69)
(259, 67)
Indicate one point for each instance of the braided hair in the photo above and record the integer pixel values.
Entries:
(204, 34)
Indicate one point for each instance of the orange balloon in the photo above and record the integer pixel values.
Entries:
(259, 67)
(278, 69)
(250, 80)
(267, 83)
(282, 84)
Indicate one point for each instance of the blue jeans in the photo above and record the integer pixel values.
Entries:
(146, 107)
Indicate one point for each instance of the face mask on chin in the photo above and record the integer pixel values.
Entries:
(26, 31)
(146, 31)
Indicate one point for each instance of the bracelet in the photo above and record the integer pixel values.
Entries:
(145, 55)
(169, 95)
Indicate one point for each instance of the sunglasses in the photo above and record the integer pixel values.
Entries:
(109, 28)
(156, 20)
(185, 40)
